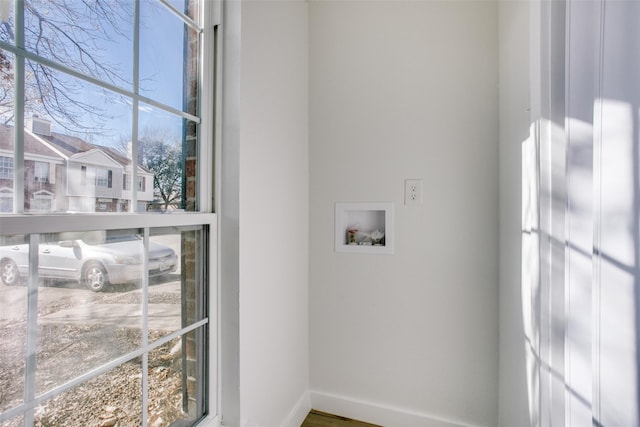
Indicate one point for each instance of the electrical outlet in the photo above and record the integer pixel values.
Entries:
(413, 192)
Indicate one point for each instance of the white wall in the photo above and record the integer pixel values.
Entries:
(406, 90)
(514, 133)
(274, 187)
(616, 282)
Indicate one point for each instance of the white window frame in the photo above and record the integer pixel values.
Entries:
(209, 131)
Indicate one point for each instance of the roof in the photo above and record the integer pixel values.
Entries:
(66, 144)
(71, 145)
(31, 145)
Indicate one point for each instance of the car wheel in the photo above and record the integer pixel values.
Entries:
(9, 273)
(95, 277)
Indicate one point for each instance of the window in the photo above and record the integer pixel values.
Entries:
(97, 177)
(115, 315)
(142, 182)
(42, 201)
(102, 177)
(6, 167)
(41, 172)
(89, 343)
(6, 199)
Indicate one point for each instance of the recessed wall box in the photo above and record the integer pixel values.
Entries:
(364, 228)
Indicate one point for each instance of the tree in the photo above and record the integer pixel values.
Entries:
(6, 83)
(74, 33)
(164, 159)
(161, 153)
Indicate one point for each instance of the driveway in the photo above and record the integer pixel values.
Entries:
(68, 303)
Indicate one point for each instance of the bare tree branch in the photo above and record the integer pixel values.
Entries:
(77, 34)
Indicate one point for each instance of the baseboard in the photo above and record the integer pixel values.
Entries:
(299, 411)
(374, 413)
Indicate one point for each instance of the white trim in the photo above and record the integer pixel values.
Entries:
(214, 391)
(381, 414)
(50, 223)
(210, 421)
(227, 206)
(298, 412)
(34, 157)
(48, 195)
(209, 135)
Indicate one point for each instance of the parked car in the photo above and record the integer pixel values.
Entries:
(112, 260)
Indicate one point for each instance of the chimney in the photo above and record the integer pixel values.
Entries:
(5, 10)
(39, 126)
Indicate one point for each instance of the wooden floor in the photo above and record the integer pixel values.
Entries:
(321, 419)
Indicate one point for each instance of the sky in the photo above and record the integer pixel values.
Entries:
(161, 62)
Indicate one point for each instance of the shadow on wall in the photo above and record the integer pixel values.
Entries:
(581, 231)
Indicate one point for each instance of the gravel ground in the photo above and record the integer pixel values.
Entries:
(66, 351)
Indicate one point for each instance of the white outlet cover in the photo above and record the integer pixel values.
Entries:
(413, 192)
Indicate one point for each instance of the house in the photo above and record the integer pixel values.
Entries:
(43, 174)
(64, 173)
